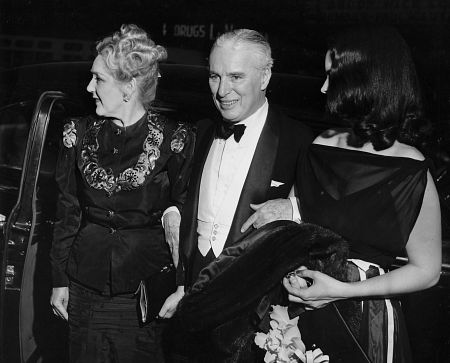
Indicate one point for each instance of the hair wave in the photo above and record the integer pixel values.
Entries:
(130, 53)
(374, 88)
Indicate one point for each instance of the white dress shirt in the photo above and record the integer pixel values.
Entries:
(223, 177)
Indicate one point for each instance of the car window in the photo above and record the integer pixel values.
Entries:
(14, 128)
(15, 123)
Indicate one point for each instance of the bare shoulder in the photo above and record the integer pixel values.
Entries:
(332, 137)
(407, 151)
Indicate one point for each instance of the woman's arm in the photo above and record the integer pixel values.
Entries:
(424, 248)
(68, 217)
(179, 169)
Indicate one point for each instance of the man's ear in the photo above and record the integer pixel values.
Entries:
(265, 78)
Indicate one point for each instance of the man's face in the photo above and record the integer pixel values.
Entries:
(237, 81)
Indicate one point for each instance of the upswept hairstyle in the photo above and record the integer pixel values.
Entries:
(373, 86)
(248, 37)
(130, 53)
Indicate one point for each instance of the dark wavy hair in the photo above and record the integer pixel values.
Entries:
(373, 87)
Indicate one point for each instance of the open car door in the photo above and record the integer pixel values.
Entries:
(29, 331)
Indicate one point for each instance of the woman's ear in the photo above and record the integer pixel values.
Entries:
(130, 88)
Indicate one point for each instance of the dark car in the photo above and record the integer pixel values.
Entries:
(34, 102)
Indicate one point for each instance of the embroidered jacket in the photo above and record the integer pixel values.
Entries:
(114, 183)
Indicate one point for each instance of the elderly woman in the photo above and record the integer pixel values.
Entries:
(117, 172)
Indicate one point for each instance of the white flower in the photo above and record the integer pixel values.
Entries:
(283, 343)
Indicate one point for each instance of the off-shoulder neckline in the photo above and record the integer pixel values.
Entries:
(338, 148)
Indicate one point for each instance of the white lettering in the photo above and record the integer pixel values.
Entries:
(189, 31)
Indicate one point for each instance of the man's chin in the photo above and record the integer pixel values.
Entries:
(229, 116)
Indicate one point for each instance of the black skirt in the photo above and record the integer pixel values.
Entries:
(106, 329)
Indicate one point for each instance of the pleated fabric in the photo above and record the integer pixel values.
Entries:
(105, 329)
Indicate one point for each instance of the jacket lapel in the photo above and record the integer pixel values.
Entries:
(258, 178)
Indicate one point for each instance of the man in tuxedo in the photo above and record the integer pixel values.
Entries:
(244, 158)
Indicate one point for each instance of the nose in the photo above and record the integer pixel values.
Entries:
(90, 87)
(324, 88)
(224, 87)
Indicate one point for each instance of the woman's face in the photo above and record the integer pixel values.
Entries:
(324, 88)
(107, 92)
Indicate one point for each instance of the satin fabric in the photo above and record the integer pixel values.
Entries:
(373, 202)
(106, 329)
(116, 239)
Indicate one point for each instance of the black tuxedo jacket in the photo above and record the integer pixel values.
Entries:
(282, 144)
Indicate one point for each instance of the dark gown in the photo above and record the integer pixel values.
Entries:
(373, 202)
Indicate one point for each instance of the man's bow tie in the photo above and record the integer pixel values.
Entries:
(226, 129)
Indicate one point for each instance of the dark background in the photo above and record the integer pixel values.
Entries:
(39, 31)
(36, 31)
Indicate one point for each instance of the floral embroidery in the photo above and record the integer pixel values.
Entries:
(131, 178)
(69, 134)
(178, 139)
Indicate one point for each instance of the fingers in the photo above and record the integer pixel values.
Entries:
(295, 299)
(61, 312)
(59, 301)
(248, 223)
(305, 273)
(272, 210)
(297, 287)
(257, 219)
(255, 207)
(164, 310)
(60, 309)
(170, 305)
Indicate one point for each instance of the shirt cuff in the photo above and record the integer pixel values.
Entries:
(168, 210)
(295, 211)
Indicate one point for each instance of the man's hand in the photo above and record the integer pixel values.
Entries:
(272, 210)
(170, 305)
(59, 301)
(171, 223)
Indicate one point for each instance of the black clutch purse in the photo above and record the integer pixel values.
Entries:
(153, 291)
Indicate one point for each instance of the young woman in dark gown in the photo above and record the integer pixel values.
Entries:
(370, 184)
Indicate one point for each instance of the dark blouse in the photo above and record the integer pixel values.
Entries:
(371, 200)
(114, 184)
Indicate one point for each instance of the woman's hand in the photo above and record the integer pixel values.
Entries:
(59, 301)
(171, 223)
(170, 305)
(322, 291)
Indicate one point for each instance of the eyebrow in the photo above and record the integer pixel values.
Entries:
(236, 74)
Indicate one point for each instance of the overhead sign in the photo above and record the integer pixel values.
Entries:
(203, 31)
